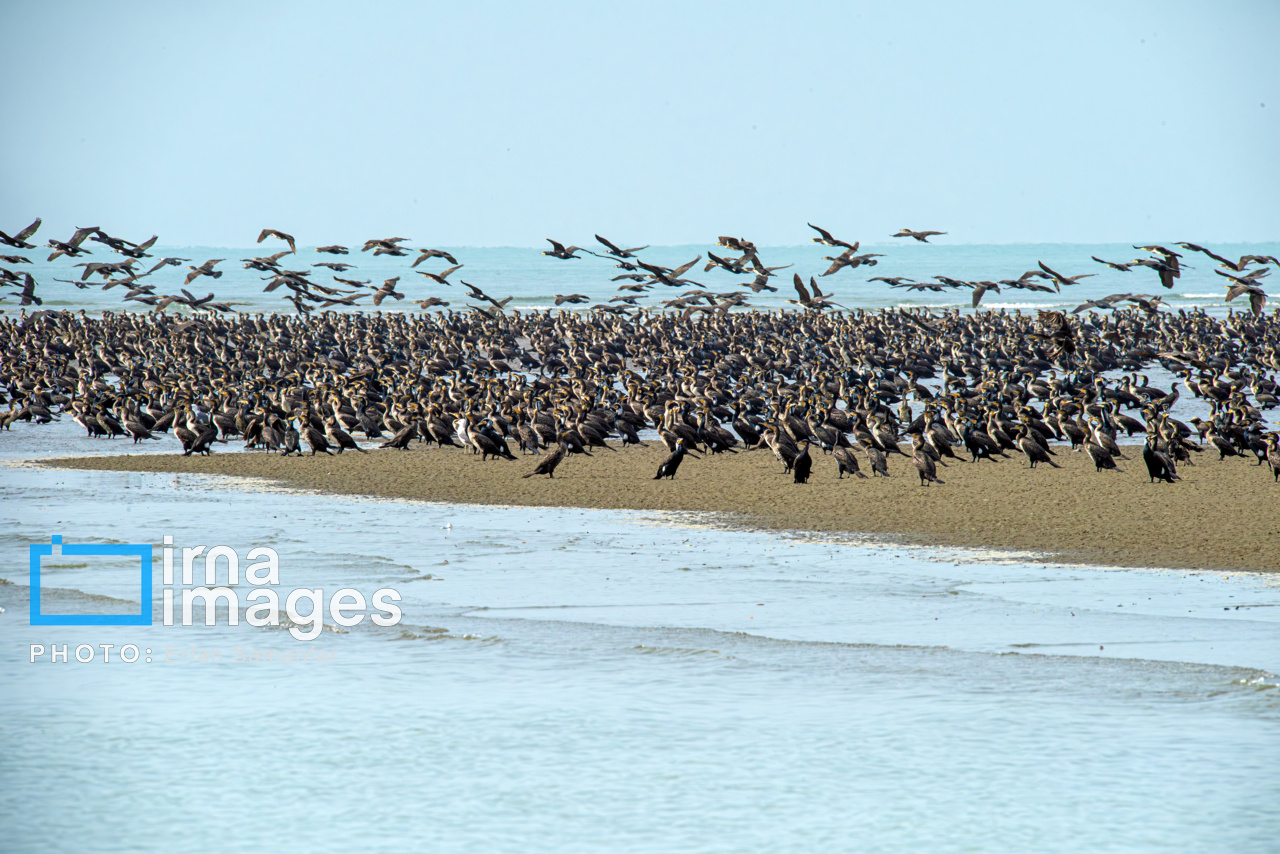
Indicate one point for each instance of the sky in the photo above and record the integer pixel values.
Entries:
(486, 124)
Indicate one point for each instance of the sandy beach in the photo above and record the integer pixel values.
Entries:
(1223, 515)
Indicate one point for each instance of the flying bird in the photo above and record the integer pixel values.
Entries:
(559, 250)
(826, 239)
(611, 249)
(1059, 279)
(922, 236)
(440, 277)
(28, 292)
(205, 269)
(1115, 265)
(388, 289)
(287, 238)
(433, 253)
(18, 241)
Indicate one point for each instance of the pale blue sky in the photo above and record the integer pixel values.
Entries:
(504, 123)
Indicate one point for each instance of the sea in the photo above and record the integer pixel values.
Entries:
(569, 680)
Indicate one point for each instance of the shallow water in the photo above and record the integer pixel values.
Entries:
(534, 280)
(571, 680)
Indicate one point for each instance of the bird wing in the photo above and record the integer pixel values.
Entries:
(28, 231)
(826, 235)
(684, 268)
(805, 299)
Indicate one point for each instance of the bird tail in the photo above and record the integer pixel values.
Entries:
(861, 475)
(530, 474)
(1052, 463)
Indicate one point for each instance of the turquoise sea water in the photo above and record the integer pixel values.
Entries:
(534, 280)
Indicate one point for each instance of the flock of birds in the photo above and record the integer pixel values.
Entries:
(801, 384)
(638, 276)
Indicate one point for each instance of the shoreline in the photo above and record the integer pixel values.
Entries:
(1222, 516)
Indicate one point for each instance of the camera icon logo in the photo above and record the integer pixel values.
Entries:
(141, 550)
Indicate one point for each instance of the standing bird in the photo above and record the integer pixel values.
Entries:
(1159, 465)
(846, 461)
(1273, 456)
(1035, 452)
(803, 463)
(876, 457)
(548, 465)
(292, 441)
(672, 462)
(924, 464)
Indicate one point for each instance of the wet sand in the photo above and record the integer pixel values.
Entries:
(1223, 515)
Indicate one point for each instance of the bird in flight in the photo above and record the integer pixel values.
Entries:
(611, 249)
(826, 239)
(433, 253)
(559, 250)
(18, 241)
(287, 238)
(205, 269)
(922, 236)
(440, 277)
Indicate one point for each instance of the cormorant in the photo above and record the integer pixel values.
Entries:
(668, 467)
(803, 463)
